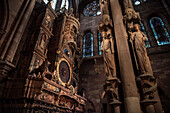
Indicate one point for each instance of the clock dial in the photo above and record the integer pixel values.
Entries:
(64, 71)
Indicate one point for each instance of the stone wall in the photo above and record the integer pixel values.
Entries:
(92, 79)
(160, 61)
(89, 24)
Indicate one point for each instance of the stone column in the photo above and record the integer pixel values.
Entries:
(116, 106)
(158, 105)
(149, 106)
(131, 98)
(13, 30)
(19, 32)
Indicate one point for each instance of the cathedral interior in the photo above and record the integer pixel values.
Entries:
(85, 56)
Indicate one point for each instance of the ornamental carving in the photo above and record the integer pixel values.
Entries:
(147, 84)
(130, 18)
(111, 88)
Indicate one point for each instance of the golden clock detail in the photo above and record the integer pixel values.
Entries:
(64, 71)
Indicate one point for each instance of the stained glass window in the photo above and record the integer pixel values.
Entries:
(65, 3)
(92, 9)
(161, 34)
(88, 45)
(100, 41)
(53, 3)
(147, 44)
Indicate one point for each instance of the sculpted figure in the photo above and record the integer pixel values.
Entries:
(130, 18)
(108, 55)
(105, 21)
(104, 7)
(137, 38)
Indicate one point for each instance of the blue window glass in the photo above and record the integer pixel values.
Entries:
(100, 41)
(53, 3)
(92, 9)
(88, 45)
(65, 3)
(161, 34)
(147, 44)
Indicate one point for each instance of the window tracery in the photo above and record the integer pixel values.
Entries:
(92, 9)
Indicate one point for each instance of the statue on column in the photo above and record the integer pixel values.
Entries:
(104, 7)
(112, 82)
(137, 38)
(130, 18)
(105, 21)
(145, 76)
(107, 47)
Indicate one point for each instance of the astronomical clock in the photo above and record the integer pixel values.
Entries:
(51, 63)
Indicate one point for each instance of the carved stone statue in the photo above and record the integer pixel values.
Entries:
(107, 47)
(142, 60)
(111, 88)
(146, 80)
(104, 7)
(130, 18)
(105, 22)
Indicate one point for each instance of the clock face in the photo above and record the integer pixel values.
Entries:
(64, 71)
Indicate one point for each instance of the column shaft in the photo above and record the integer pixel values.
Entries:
(19, 32)
(131, 99)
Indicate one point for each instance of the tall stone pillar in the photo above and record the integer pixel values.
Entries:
(131, 97)
(19, 32)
